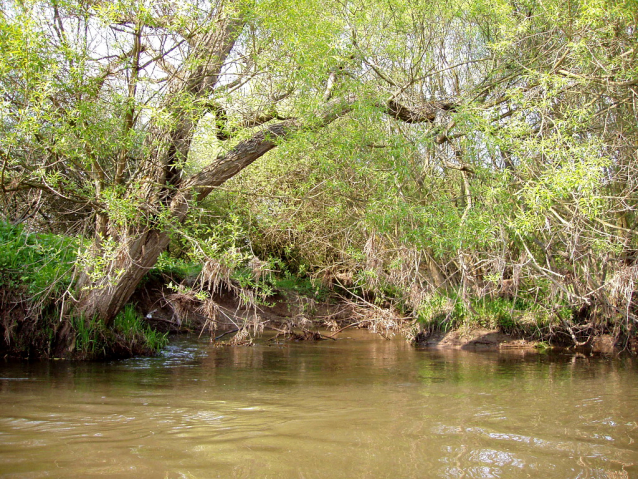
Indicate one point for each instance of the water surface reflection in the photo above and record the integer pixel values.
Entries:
(359, 408)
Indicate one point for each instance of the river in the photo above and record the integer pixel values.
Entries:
(354, 408)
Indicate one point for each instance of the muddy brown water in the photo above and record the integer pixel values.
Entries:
(360, 408)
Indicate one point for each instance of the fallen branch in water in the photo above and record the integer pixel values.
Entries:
(346, 327)
(217, 338)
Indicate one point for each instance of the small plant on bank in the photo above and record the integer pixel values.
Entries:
(171, 267)
(131, 325)
(444, 313)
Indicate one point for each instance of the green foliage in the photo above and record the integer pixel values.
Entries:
(41, 263)
(525, 168)
(440, 312)
(168, 265)
(302, 286)
(279, 281)
(499, 313)
(131, 325)
(447, 312)
(38, 269)
(89, 336)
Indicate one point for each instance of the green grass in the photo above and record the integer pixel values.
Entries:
(130, 324)
(36, 270)
(93, 340)
(445, 312)
(41, 263)
(174, 267)
(303, 286)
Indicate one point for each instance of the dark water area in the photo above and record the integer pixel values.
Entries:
(359, 408)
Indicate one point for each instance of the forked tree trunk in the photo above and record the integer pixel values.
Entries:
(104, 297)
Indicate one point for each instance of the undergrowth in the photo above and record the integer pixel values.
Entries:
(516, 316)
(41, 264)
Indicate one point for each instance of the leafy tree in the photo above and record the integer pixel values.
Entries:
(105, 100)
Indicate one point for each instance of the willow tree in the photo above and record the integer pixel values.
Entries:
(525, 188)
(101, 101)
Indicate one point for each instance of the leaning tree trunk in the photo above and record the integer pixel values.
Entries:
(138, 251)
(104, 297)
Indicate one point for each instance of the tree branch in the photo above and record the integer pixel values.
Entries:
(424, 114)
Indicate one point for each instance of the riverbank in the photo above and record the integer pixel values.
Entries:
(235, 306)
(297, 317)
(226, 318)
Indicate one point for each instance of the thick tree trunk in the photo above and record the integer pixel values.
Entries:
(139, 251)
(103, 295)
(106, 298)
